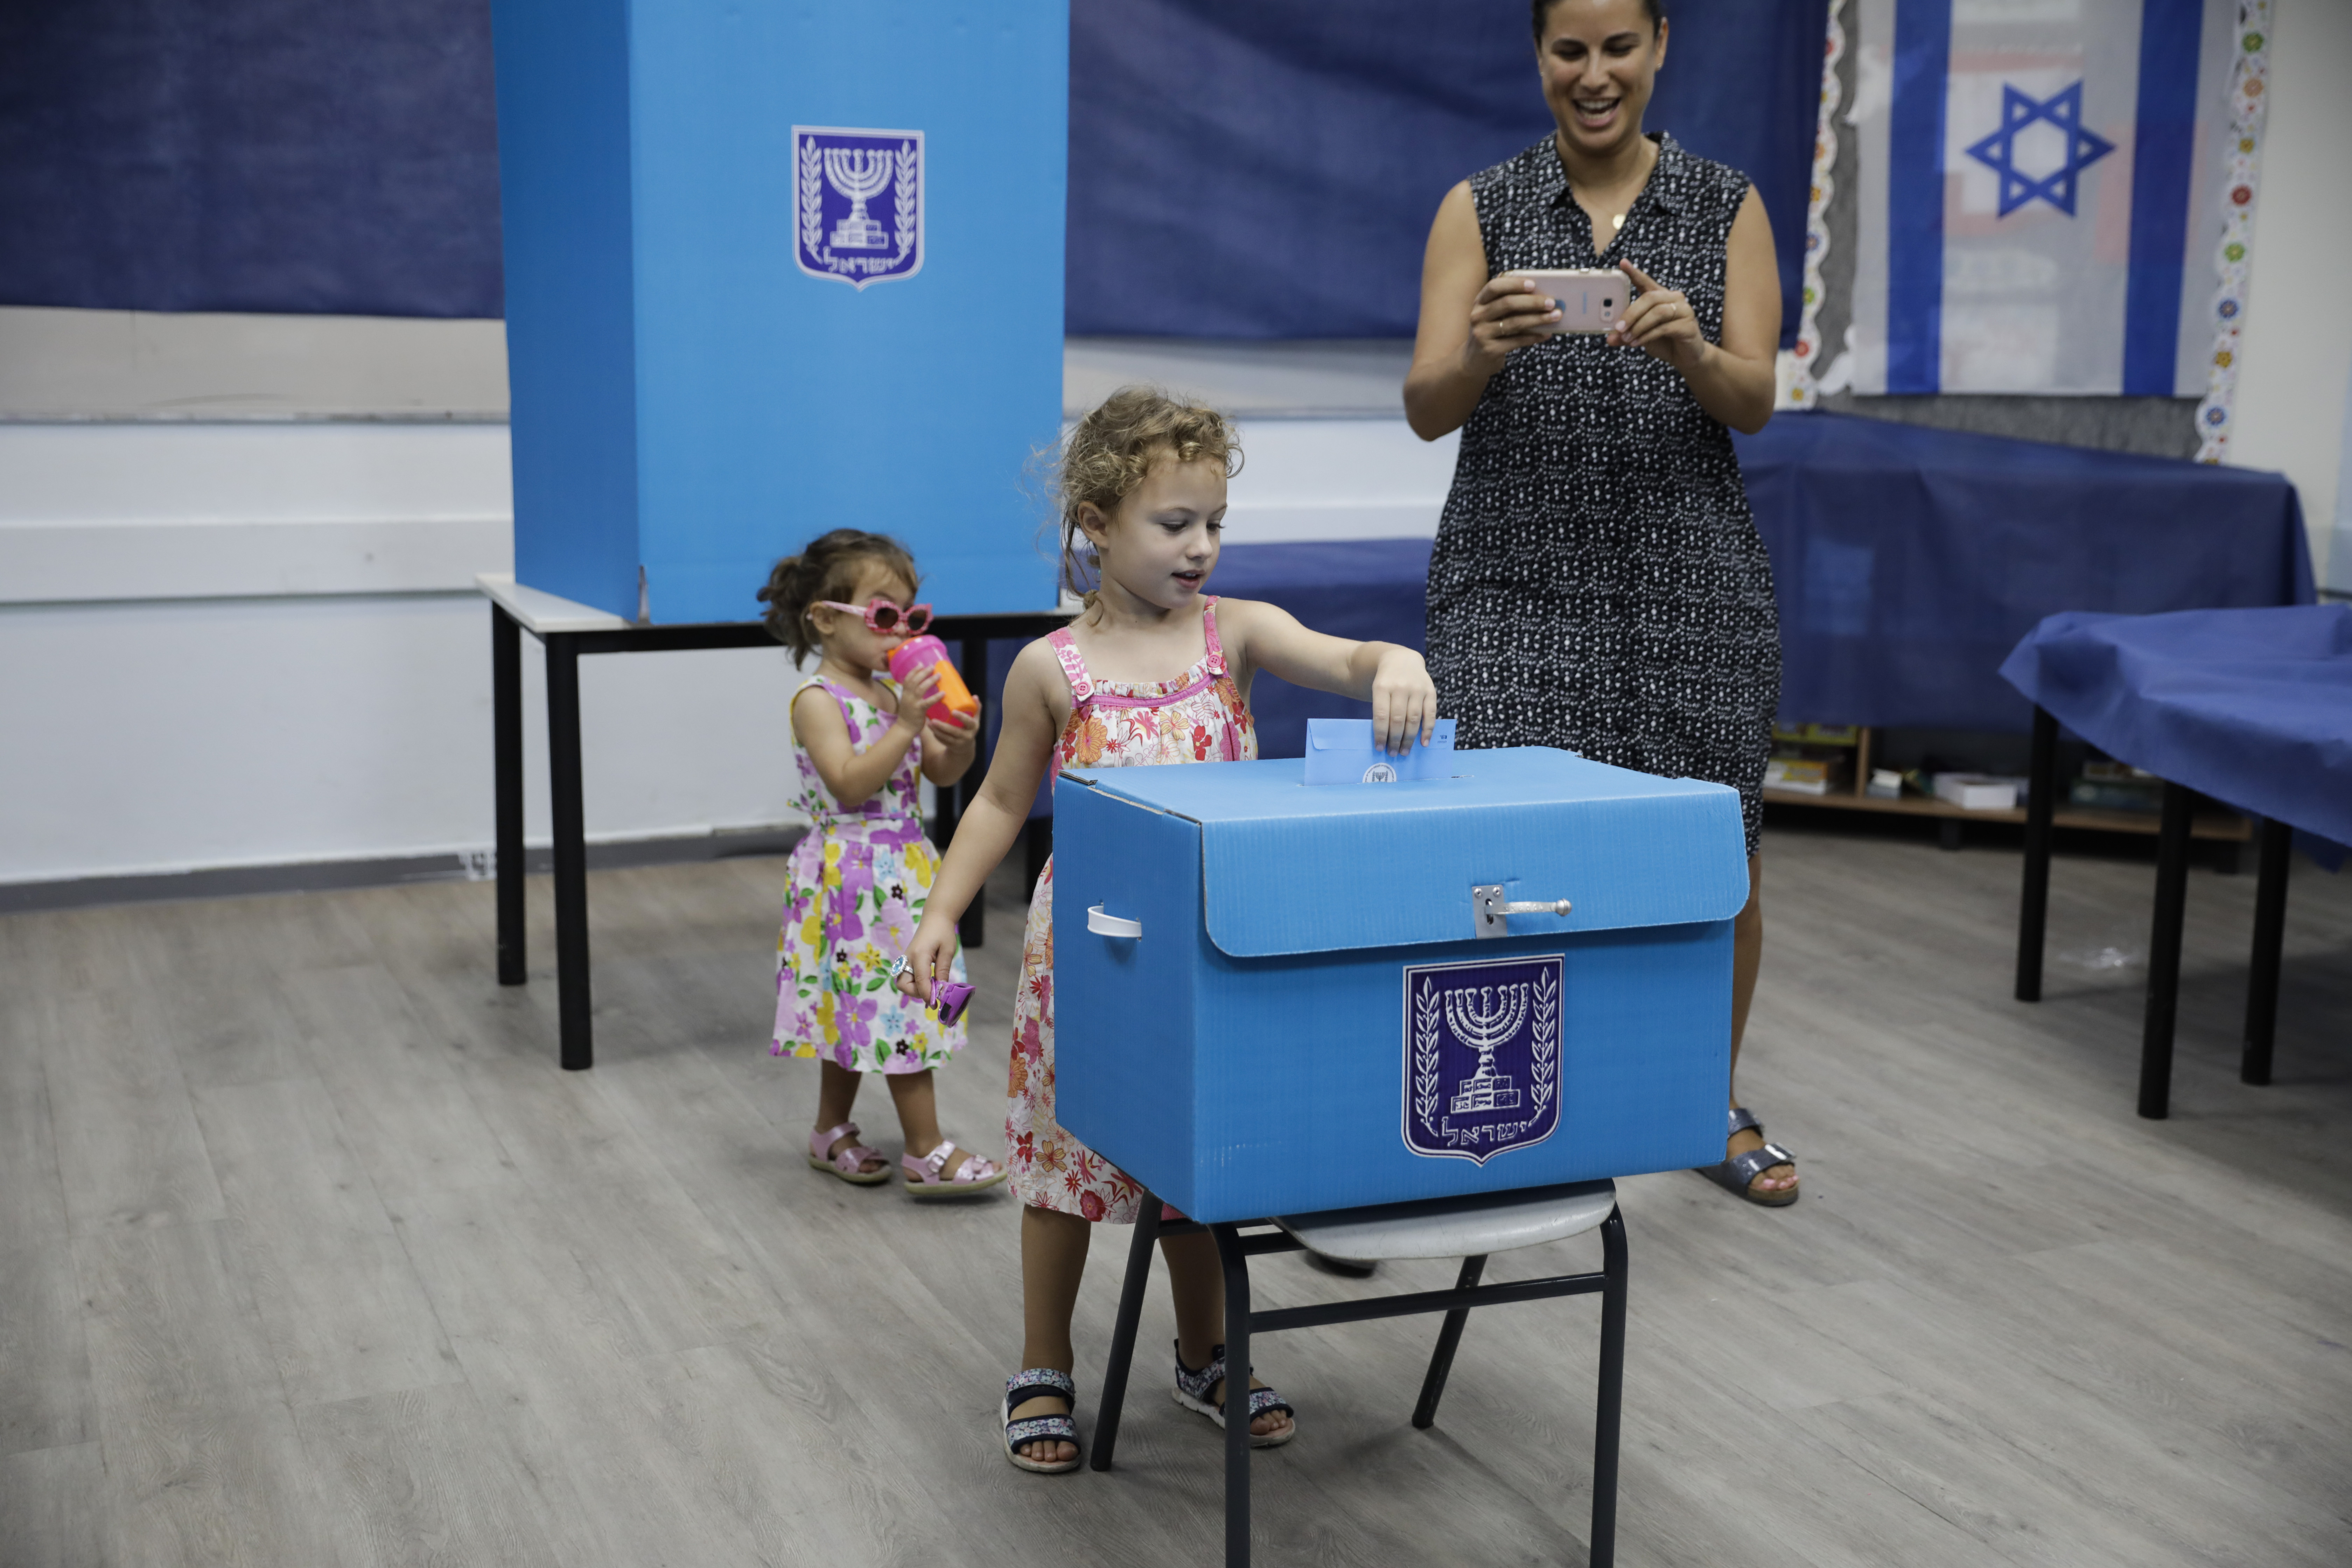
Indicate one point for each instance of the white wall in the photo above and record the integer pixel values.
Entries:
(2292, 390)
(254, 643)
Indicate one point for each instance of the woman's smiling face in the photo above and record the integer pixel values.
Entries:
(1599, 60)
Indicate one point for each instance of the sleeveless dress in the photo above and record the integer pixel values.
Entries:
(1597, 583)
(1199, 717)
(854, 889)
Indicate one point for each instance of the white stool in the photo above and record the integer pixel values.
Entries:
(1471, 1228)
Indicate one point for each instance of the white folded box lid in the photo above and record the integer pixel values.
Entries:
(1290, 869)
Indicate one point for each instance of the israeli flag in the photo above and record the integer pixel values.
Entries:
(2042, 191)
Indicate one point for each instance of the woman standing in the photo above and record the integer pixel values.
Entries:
(1597, 583)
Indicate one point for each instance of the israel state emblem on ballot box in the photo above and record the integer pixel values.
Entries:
(1510, 968)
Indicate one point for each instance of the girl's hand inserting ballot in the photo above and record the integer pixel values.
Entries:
(1404, 700)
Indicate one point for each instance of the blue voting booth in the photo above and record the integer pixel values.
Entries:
(772, 269)
(1278, 999)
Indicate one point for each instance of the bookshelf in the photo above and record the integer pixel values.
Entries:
(2217, 824)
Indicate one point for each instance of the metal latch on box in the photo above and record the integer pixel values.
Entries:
(1488, 907)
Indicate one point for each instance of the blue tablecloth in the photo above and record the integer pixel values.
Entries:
(1908, 562)
(2251, 707)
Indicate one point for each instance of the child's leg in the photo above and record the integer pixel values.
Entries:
(1053, 1261)
(919, 1119)
(1196, 1277)
(836, 1094)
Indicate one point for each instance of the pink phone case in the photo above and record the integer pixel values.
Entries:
(1589, 300)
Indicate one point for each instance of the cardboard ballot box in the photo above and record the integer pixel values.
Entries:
(1277, 998)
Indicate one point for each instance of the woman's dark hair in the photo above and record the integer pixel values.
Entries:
(826, 568)
(1653, 9)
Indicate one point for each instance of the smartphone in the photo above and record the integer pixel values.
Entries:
(1589, 300)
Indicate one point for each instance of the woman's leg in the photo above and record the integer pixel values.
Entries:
(1053, 1261)
(1746, 958)
(918, 1101)
(836, 1095)
(1196, 1277)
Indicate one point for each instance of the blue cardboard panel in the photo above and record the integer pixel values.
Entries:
(563, 71)
(758, 404)
(1125, 1037)
(1304, 1062)
(1289, 868)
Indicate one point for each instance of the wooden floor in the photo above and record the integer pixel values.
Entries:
(309, 1255)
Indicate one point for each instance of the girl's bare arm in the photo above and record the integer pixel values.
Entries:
(1392, 678)
(1024, 749)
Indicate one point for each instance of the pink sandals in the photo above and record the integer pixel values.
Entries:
(847, 1164)
(924, 1180)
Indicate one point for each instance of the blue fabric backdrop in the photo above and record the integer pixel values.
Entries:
(1238, 168)
(1269, 168)
(274, 155)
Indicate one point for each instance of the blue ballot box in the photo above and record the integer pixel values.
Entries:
(772, 269)
(1277, 998)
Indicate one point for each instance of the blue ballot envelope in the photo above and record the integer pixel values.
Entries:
(1272, 998)
(1340, 750)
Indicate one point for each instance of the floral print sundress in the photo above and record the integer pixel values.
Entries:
(1199, 717)
(855, 890)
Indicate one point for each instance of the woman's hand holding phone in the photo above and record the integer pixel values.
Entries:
(1660, 321)
(1510, 313)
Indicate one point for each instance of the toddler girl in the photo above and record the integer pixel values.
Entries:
(858, 883)
(1154, 671)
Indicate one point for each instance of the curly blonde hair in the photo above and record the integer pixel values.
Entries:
(1111, 450)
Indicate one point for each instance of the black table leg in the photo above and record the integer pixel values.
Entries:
(2042, 787)
(576, 1046)
(2269, 936)
(2164, 953)
(1449, 1340)
(505, 748)
(1122, 1333)
(1609, 1406)
(1237, 1392)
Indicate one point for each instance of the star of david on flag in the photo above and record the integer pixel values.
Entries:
(1999, 151)
(2041, 202)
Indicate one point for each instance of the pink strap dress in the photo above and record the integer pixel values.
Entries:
(1199, 717)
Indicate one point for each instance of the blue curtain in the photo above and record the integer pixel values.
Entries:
(275, 155)
(1269, 168)
(1238, 168)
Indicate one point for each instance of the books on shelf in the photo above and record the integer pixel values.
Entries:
(1979, 792)
(1801, 775)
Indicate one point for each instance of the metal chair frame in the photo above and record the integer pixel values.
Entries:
(1235, 1250)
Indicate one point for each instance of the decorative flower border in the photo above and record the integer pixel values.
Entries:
(2249, 98)
(1798, 386)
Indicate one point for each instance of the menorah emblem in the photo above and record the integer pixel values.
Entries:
(1482, 1055)
(1484, 1024)
(858, 203)
(860, 173)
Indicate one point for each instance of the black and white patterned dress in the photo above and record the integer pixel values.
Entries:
(1597, 583)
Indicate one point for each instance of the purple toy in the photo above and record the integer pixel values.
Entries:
(950, 997)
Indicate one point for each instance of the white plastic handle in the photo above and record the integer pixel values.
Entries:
(1102, 924)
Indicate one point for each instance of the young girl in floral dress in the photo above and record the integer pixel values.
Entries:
(858, 883)
(1152, 672)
